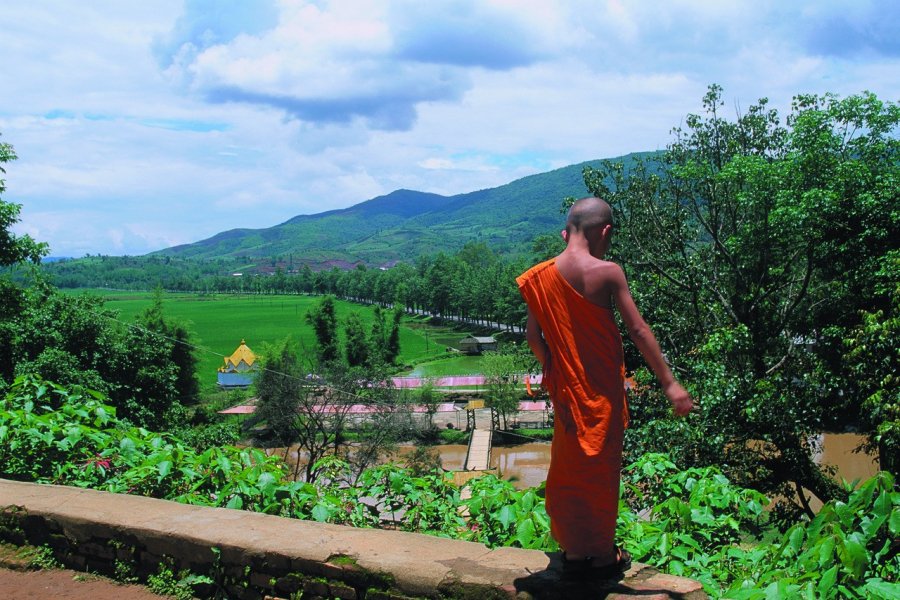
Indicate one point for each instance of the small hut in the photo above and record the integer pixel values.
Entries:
(239, 368)
(476, 345)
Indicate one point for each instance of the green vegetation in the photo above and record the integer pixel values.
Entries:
(14, 249)
(693, 521)
(454, 364)
(219, 322)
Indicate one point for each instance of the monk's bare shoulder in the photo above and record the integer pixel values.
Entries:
(601, 280)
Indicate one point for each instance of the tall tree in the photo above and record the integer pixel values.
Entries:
(378, 337)
(356, 347)
(392, 346)
(323, 319)
(14, 248)
(501, 374)
(175, 340)
(723, 239)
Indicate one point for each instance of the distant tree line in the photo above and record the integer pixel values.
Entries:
(473, 284)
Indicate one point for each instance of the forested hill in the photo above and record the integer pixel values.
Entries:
(405, 224)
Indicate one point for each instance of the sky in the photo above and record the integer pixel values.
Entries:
(143, 125)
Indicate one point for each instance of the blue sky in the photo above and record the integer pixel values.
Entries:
(141, 125)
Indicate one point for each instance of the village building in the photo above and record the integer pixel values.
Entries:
(239, 368)
(476, 345)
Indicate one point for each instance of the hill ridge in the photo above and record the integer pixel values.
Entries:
(404, 224)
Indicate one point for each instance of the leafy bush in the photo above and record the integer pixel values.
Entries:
(691, 522)
(695, 523)
(500, 515)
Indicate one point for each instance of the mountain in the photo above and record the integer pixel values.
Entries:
(405, 224)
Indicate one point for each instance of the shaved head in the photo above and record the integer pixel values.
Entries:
(588, 213)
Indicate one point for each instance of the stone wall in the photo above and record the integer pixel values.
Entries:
(241, 555)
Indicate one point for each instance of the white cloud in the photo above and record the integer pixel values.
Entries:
(145, 125)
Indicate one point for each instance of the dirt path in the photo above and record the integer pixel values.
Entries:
(60, 583)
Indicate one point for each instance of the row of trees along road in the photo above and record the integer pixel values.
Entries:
(473, 283)
(766, 255)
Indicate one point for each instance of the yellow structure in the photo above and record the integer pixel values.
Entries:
(238, 368)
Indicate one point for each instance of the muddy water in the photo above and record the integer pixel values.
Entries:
(838, 451)
(526, 465)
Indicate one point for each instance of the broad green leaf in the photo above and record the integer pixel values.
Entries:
(853, 556)
(795, 538)
(126, 445)
(266, 481)
(320, 513)
(507, 515)
(163, 467)
(525, 533)
(825, 551)
(827, 581)
(883, 505)
(894, 523)
(877, 588)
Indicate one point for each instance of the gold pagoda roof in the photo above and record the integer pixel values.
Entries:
(243, 353)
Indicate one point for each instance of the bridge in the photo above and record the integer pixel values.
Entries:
(478, 456)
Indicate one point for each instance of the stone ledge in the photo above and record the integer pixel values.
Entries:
(262, 555)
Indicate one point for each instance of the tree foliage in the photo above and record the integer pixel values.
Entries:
(146, 370)
(14, 248)
(316, 412)
(324, 321)
(751, 245)
(501, 379)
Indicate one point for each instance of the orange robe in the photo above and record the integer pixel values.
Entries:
(585, 377)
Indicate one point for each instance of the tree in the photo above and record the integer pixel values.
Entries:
(392, 346)
(430, 399)
(727, 238)
(356, 347)
(378, 338)
(501, 375)
(316, 414)
(297, 410)
(872, 355)
(14, 249)
(279, 385)
(75, 340)
(174, 339)
(323, 319)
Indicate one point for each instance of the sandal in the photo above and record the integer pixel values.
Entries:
(584, 567)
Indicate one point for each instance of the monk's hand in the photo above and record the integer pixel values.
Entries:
(679, 397)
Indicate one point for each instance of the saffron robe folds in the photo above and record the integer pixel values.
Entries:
(585, 376)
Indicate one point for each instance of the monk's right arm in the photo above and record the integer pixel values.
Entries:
(645, 341)
(535, 337)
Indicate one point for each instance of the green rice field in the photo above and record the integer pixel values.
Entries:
(220, 322)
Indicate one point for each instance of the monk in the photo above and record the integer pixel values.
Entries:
(573, 333)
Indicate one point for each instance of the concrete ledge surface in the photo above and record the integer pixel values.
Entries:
(267, 556)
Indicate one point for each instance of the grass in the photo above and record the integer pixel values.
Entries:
(220, 322)
(453, 364)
